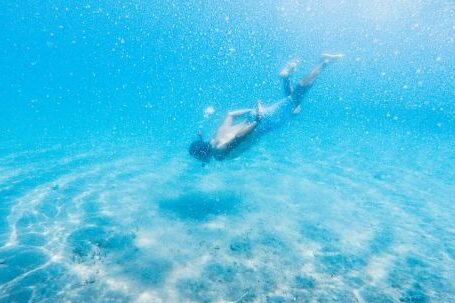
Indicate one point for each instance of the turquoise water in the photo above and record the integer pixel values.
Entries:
(350, 201)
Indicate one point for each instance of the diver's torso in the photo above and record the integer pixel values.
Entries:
(274, 115)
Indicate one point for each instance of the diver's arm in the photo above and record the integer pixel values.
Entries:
(239, 112)
(246, 130)
(228, 120)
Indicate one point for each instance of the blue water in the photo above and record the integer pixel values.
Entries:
(353, 200)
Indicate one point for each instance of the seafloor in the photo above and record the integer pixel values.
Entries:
(348, 220)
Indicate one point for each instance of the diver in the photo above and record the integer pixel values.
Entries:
(260, 119)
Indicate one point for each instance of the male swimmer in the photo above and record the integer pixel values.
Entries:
(260, 119)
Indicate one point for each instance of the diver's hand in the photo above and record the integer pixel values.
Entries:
(259, 111)
(330, 57)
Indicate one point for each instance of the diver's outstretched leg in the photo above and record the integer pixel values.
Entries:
(304, 85)
(285, 74)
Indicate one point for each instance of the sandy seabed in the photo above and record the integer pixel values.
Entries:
(80, 224)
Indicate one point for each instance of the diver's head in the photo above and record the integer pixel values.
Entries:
(201, 150)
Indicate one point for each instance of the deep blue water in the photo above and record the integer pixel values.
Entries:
(353, 200)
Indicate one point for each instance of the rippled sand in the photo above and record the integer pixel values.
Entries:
(358, 223)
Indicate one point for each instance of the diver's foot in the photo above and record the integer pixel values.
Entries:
(289, 68)
(326, 58)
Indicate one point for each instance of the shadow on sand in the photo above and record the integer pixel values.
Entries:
(201, 206)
